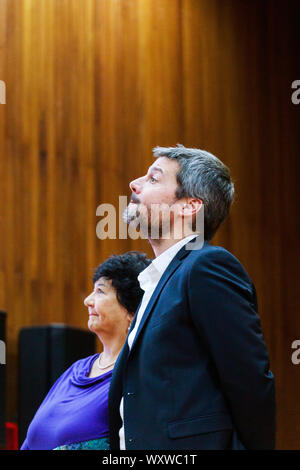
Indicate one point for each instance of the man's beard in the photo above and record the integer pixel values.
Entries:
(131, 213)
(153, 225)
(136, 215)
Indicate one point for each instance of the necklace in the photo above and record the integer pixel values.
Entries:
(104, 367)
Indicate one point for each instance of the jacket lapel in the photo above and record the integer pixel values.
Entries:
(163, 280)
(116, 386)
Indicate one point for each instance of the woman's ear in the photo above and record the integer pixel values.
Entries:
(130, 318)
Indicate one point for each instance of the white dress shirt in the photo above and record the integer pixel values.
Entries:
(148, 280)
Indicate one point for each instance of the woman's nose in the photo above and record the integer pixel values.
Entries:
(88, 301)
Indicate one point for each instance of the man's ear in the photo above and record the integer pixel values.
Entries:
(191, 206)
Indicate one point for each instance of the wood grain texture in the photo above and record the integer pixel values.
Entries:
(92, 86)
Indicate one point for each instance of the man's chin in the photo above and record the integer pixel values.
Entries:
(130, 213)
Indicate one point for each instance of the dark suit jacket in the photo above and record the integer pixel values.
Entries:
(197, 376)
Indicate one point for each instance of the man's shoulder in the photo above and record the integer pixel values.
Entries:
(215, 258)
(206, 251)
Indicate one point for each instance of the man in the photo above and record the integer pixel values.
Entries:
(194, 371)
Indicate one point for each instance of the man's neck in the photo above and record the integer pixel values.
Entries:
(162, 244)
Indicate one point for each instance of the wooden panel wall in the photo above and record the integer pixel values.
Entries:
(92, 86)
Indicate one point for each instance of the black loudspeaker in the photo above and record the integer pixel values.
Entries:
(2, 378)
(45, 352)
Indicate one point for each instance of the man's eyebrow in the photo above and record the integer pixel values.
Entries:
(155, 168)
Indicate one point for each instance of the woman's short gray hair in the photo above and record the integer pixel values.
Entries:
(202, 176)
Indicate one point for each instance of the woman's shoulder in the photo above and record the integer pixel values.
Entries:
(77, 368)
(80, 373)
(84, 363)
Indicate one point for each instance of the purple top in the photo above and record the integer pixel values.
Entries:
(75, 409)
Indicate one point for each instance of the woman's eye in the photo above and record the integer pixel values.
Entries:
(152, 179)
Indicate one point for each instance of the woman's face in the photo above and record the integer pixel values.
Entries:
(106, 314)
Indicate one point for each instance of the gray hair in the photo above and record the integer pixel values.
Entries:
(202, 176)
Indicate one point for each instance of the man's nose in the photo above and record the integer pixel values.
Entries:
(135, 186)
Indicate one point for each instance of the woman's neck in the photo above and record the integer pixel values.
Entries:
(111, 348)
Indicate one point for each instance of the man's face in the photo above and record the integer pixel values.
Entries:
(153, 195)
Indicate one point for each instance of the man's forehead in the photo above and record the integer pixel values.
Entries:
(155, 167)
(164, 165)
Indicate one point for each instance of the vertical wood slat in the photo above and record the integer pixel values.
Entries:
(92, 86)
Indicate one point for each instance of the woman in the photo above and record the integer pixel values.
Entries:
(74, 414)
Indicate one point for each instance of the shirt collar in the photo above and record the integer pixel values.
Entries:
(151, 275)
